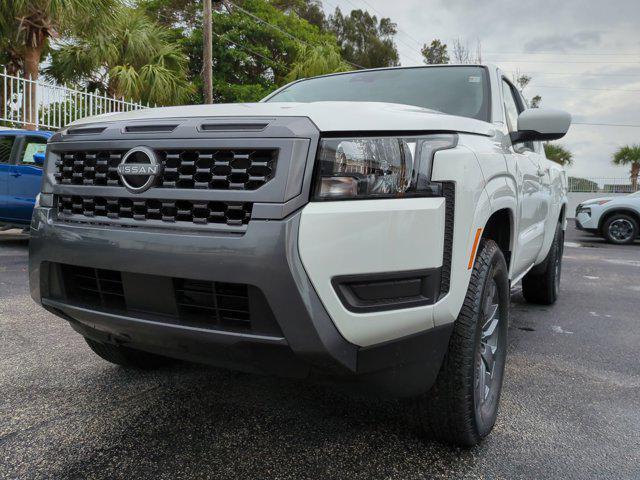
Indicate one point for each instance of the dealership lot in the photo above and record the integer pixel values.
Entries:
(570, 406)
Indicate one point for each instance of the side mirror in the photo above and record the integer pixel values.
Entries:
(38, 158)
(538, 124)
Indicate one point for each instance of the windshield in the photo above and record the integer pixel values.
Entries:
(455, 90)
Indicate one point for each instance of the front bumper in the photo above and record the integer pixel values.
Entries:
(266, 257)
(586, 222)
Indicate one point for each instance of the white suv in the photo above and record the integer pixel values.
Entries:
(363, 227)
(617, 219)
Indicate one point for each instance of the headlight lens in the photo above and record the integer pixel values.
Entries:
(378, 167)
(582, 209)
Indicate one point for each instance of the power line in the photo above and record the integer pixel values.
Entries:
(581, 74)
(246, 49)
(261, 20)
(563, 61)
(548, 52)
(606, 124)
(583, 88)
(411, 47)
(403, 31)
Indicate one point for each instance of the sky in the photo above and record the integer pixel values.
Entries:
(583, 57)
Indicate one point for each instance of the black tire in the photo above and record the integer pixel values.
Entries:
(125, 356)
(457, 409)
(620, 229)
(542, 284)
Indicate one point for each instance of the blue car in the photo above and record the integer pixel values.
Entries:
(21, 159)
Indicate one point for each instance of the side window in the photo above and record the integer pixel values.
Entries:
(31, 147)
(513, 105)
(6, 144)
(510, 107)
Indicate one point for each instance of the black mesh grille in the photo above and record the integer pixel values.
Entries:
(88, 168)
(225, 304)
(93, 286)
(242, 169)
(169, 211)
(197, 302)
(449, 192)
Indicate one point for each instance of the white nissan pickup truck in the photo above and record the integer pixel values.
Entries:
(362, 227)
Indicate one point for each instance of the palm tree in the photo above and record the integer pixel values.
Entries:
(629, 155)
(27, 26)
(132, 58)
(558, 154)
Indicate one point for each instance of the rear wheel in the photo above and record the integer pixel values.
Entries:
(542, 284)
(620, 228)
(125, 356)
(462, 406)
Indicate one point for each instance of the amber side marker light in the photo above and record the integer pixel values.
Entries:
(474, 248)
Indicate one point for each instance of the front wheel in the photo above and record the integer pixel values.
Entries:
(462, 406)
(620, 229)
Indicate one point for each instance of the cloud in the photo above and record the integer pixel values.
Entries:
(585, 75)
(562, 43)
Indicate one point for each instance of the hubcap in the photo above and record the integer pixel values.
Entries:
(486, 363)
(621, 229)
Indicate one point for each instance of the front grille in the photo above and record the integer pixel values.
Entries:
(226, 304)
(141, 210)
(201, 303)
(222, 169)
(92, 286)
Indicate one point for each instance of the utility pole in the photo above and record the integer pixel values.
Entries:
(207, 54)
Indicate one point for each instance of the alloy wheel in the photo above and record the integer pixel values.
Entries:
(621, 229)
(489, 359)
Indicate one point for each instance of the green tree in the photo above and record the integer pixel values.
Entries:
(535, 101)
(317, 60)
(255, 47)
(309, 10)
(27, 27)
(629, 155)
(365, 41)
(435, 53)
(133, 58)
(522, 81)
(558, 154)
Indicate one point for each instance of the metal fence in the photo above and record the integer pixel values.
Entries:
(603, 185)
(45, 106)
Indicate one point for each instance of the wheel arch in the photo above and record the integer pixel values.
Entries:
(563, 216)
(624, 210)
(500, 227)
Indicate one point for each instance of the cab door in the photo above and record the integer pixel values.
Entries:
(6, 159)
(524, 163)
(26, 177)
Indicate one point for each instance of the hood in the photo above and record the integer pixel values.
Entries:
(596, 200)
(327, 116)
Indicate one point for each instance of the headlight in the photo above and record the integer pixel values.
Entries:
(378, 167)
(583, 209)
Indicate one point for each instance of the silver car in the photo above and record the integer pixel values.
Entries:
(617, 219)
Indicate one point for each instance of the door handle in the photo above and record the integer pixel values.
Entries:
(542, 172)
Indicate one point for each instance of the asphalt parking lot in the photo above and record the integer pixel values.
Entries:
(570, 406)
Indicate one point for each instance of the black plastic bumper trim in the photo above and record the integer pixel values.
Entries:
(379, 292)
